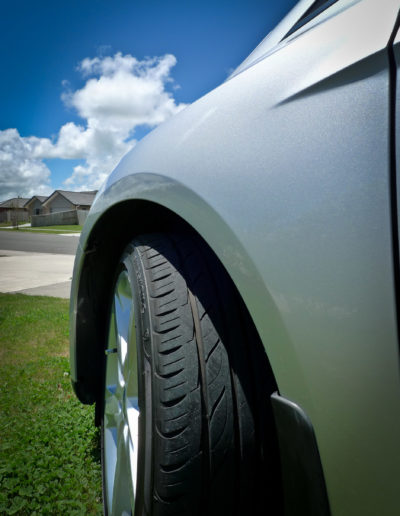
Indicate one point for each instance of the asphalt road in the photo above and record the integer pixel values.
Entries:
(38, 242)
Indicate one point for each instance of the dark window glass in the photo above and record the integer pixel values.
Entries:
(316, 8)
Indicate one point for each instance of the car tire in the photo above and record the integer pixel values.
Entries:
(185, 425)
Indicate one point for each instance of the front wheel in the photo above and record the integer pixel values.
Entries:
(183, 430)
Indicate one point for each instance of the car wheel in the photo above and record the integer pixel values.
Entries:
(181, 431)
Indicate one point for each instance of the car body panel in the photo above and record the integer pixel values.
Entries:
(285, 171)
(396, 141)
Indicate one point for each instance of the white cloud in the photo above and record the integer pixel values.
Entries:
(21, 174)
(121, 93)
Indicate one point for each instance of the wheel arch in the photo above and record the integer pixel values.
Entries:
(102, 249)
(104, 245)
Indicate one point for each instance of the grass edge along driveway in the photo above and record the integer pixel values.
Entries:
(49, 448)
(71, 229)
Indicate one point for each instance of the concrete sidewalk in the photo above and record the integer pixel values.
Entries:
(36, 274)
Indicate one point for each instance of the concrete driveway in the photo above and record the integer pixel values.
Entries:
(36, 274)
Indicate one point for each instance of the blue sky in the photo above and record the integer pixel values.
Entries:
(63, 62)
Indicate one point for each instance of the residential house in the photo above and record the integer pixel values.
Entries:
(13, 210)
(34, 205)
(62, 200)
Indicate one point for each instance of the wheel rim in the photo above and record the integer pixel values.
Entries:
(121, 410)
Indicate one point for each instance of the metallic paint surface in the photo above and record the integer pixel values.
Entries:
(284, 171)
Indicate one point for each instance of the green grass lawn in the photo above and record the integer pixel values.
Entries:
(48, 229)
(74, 227)
(8, 224)
(49, 448)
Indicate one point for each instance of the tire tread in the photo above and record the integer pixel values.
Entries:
(206, 450)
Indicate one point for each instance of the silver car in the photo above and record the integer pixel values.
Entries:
(235, 300)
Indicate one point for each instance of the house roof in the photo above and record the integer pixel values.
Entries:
(40, 198)
(76, 198)
(15, 202)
